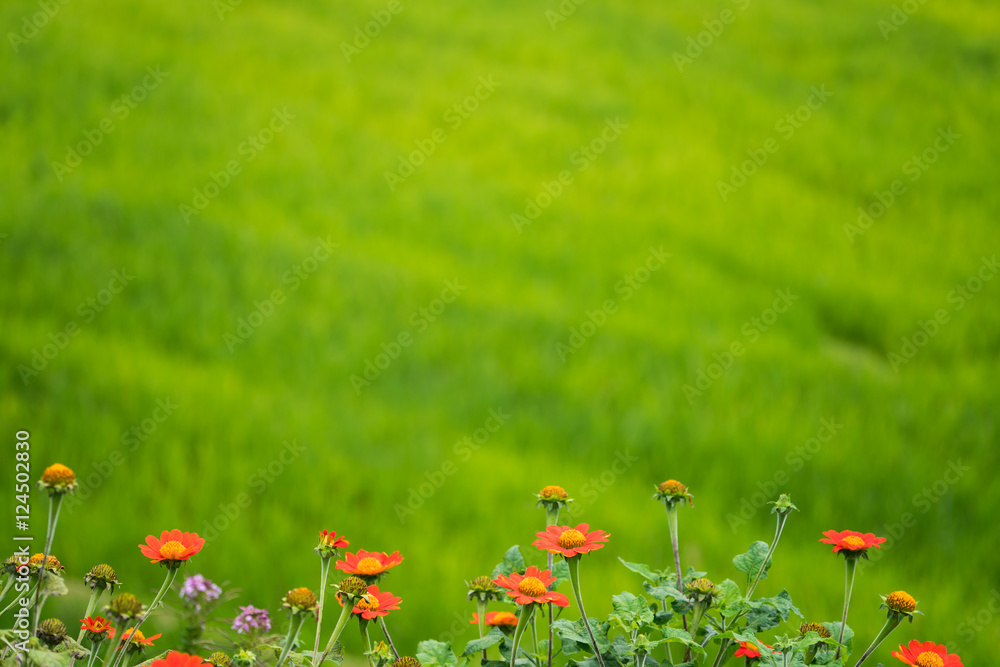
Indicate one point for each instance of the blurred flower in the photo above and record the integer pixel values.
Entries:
(749, 650)
(299, 600)
(52, 631)
(851, 542)
(139, 642)
(101, 576)
(496, 618)
(124, 607)
(173, 547)
(219, 659)
(367, 564)
(177, 659)
(57, 479)
(12, 563)
(570, 541)
(701, 590)
(406, 661)
(671, 492)
(531, 587)
(98, 628)
(927, 654)
(250, 619)
(244, 658)
(818, 628)
(198, 589)
(376, 603)
(52, 564)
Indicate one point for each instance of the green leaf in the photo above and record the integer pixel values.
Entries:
(431, 652)
(630, 611)
(576, 631)
(560, 571)
(653, 575)
(752, 561)
(494, 637)
(664, 590)
(730, 599)
(834, 628)
(767, 613)
(513, 561)
(48, 658)
(54, 585)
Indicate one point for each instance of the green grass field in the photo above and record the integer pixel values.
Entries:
(511, 272)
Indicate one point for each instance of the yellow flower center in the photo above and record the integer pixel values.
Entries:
(369, 566)
(553, 493)
(673, 487)
(901, 601)
(532, 587)
(853, 542)
(57, 474)
(928, 659)
(571, 539)
(172, 550)
(368, 603)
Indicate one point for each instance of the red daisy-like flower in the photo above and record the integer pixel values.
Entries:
(375, 603)
(852, 541)
(97, 625)
(368, 563)
(176, 659)
(926, 654)
(496, 618)
(328, 538)
(139, 638)
(570, 541)
(532, 586)
(172, 548)
(749, 650)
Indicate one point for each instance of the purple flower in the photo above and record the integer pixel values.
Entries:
(250, 618)
(198, 589)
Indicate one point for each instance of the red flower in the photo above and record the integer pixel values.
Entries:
(97, 625)
(172, 547)
(375, 603)
(749, 650)
(852, 541)
(927, 654)
(175, 659)
(570, 541)
(328, 538)
(368, 563)
(495, 618)
(139, 638)
(531, 587)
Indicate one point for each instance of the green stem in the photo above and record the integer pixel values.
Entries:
(770, 552)
(527, 611)
(551, 519)
(119, 629)
(95, 594)
(368, 641)
(852, 564)
(482, 606)
(55, 504)
(7, 586)
(293, 632)
(675, 544)
(154, 605)
(93, 653)
(385, 631)
(574, 578)
(324, 573)
(534, 634)
(891, 624)
(16, 599)
(345, 614)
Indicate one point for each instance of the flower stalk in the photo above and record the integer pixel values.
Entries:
(527, 611)
(167, 583)
(852, 565)
(324, 574)
(574, 578)
(345, 614)
(55, 504)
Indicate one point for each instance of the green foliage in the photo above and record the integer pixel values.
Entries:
(432, 653)
(752, 561)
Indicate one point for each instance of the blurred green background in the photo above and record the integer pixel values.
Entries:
(383, 462)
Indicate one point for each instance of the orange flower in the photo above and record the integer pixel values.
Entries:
(175, 659)
(851, 541)
(927, 654)
(376, 603)
(368, 564)
(57, 479)
(531, 587)
(749, 650)
(328, 538)
(172, 548)
(495, 618)
(570, 541)
(139, 638)
(97, 625)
